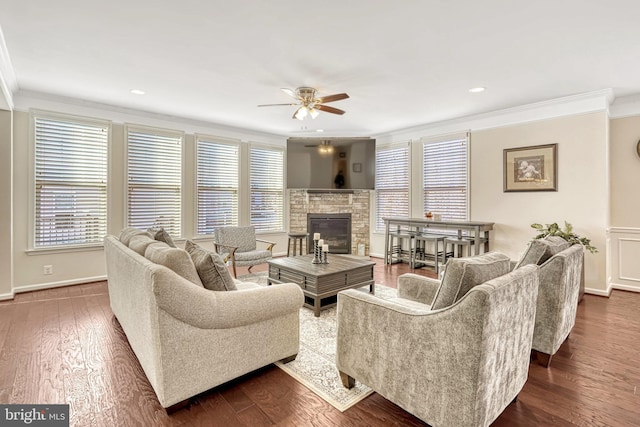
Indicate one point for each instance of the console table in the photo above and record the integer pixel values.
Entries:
(413, 226)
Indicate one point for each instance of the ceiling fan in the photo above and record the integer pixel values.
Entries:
(309, 104)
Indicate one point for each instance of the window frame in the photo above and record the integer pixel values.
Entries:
(443, 139)
(280, 227)
(161, 132)
(220, 141)
(34, 114)
(378, 223)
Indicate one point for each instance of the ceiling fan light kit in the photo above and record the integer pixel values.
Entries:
(308, 104)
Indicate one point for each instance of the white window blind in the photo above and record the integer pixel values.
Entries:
(445, 178)
(266, 181)
(217, 181)
(154, 164)
(70, 182)
(392, 184)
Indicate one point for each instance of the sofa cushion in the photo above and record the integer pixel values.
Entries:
(211, 268)
(175, 259)
(462, 274)
(139, 242)
(540, 250)
(127, 233)
(161, 235)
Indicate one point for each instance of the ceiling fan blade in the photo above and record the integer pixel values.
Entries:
(332, 98)
(289, 92)
(328, 109)
(274, 105)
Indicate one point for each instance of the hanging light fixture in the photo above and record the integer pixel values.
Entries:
(301, 113)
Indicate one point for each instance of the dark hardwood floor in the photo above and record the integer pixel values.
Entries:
(64, 346)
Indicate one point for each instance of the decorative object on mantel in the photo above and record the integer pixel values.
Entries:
(533, 168)
(567, 234)
(638, 148)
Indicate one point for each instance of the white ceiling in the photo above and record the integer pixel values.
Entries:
(403, 63)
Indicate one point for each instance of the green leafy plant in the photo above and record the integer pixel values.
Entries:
(566, 233)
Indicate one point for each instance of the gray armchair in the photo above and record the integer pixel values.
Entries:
(560, 279)
(239, 245)
(453, 353)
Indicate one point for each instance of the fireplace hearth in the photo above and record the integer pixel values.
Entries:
(334, 229)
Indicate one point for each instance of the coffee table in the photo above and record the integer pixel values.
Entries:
(321, 283)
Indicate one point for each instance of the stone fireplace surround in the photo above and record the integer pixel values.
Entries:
(356, 202)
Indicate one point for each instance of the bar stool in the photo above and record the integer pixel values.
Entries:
(295, 237)
(458, 244)
(397, 240)
(463, 242)
(420, 253)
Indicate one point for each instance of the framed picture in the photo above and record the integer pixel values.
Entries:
(357, 167)
(532, 168)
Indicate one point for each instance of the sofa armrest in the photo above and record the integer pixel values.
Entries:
(207, 309)
(417, 288)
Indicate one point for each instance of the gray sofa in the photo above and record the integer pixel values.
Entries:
(453, 353)
(189, 339)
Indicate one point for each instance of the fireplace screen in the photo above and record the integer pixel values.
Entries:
(334, 229)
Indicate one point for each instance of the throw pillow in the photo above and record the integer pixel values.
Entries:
(462, 274)
(211, 268)
(161, 235)
(540, 250)
(175, 259)
(140, 242)
(127, 233)
(533, 254)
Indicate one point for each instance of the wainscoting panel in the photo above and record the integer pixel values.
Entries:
(625, 259)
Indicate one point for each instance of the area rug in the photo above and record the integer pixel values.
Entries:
(315, 366)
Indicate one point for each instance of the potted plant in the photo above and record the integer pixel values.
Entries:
(566, 233)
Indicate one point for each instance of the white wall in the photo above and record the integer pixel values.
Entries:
(625, 172)
(583, 180)
(624, 233)
(6, 204)
(582, 198)
(87, 265)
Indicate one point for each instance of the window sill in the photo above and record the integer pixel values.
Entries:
(65, 249)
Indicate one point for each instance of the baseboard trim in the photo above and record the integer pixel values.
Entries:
(4, 297)
(50, 285)
(599, 292)
(625, 287)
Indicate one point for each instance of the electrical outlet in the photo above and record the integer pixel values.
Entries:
(47, 269)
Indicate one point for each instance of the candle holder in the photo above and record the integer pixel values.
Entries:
(324, 257)
(317, 252)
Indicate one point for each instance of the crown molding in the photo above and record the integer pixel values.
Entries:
(625, 106)
(8, 82)
(27, 100)
(553, 108)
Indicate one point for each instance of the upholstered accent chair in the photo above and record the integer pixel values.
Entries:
(452, 353)
(561, 267)
(239, 245)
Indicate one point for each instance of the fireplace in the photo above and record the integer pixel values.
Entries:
(334, 229)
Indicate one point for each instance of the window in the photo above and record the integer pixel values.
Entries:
(392, 184)
(445, 177)
(266, 182)
(154, 163)
(217, 181)
(70, 181)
